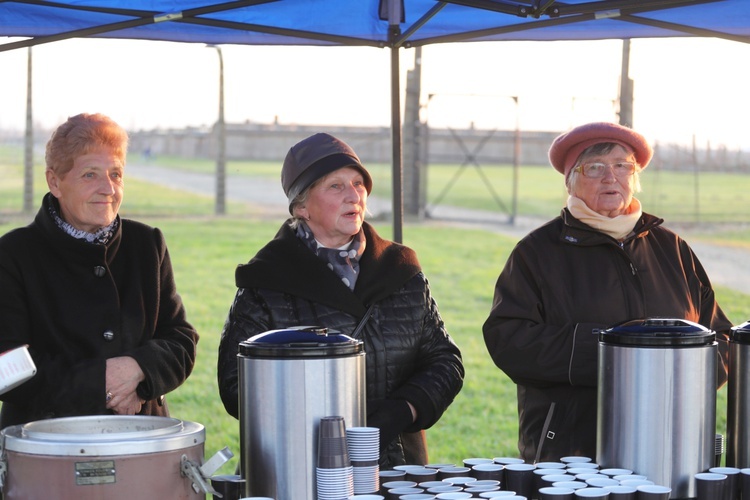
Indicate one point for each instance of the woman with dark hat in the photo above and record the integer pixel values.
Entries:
(601, 262)
(327, 267)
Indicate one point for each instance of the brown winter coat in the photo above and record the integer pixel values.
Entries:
(562, 281)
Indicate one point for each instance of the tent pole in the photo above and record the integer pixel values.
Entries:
(626, 87)
(28, 150)
(398, 192)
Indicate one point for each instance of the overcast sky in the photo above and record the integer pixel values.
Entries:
(684, 88)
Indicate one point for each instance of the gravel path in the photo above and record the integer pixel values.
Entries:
(726, 265)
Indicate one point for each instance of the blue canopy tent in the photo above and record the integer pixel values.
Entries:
(390, 24)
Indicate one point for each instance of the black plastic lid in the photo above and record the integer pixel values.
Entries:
(740, 333)
(657, 332)
(301, 341)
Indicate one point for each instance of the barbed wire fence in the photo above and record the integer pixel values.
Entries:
(685, 183)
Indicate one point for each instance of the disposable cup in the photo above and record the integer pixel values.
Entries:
(520, 478)
(447, 472)
(625, 477)
(445, 488)
(582, 470)
(734, 481)
(431, 484)
(556, 478)
(396, 493)
(332, 450)
(406, 467)
(583, 465)
(550, 465)
(635, 483)
(574, 485)
(485, 482)
(460, 480)
(539, 473)
(621, 492)
(391, 475)
(710, 485)
(745, 482)
(476, 490)
(611, 472)
(553, 493)
(591, 475)
(456, 495)
(600, 493)
(386, 486)
(507, 460)
(469, 462)
(601, 482)
(653, 492)
(487, 471)
(421, 475)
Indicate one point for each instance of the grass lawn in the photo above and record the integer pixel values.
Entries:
(482, 422)
(461, 264)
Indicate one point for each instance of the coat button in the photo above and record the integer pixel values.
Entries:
(109, 335)
(99, 271)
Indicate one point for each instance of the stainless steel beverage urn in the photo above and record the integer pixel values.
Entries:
(288, 380)
(657, 400)
(738, 397)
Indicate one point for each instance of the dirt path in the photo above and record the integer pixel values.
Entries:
(726, 265)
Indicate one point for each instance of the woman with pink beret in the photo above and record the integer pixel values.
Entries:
(603, 261)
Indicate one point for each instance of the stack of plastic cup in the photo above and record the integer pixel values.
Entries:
(334, 476)
(363, 444)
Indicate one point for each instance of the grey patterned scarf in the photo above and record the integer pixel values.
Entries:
(100, 237)
(342, 261)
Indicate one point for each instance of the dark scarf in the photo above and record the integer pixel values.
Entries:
(342, 261)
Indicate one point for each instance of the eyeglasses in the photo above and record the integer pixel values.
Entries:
(597, 170)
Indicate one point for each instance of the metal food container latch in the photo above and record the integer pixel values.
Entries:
(199, 474)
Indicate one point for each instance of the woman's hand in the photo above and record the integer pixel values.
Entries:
(122, 378)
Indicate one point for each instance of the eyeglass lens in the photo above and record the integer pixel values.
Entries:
(596, 170)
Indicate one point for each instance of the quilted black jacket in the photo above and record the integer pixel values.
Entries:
(409, 354)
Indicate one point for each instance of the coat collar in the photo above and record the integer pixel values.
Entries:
(286, 265)
(577, 233)
(78, 249)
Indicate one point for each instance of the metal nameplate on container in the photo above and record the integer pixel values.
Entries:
(101, 472)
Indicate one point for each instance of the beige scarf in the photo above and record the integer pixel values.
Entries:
(617, 227)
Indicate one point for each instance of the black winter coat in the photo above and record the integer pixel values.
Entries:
(76, 304)
(409, 354)
(562, 281)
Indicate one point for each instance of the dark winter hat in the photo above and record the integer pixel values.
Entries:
(315, 157)
(567, 147)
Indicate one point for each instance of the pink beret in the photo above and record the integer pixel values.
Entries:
(567, 147)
